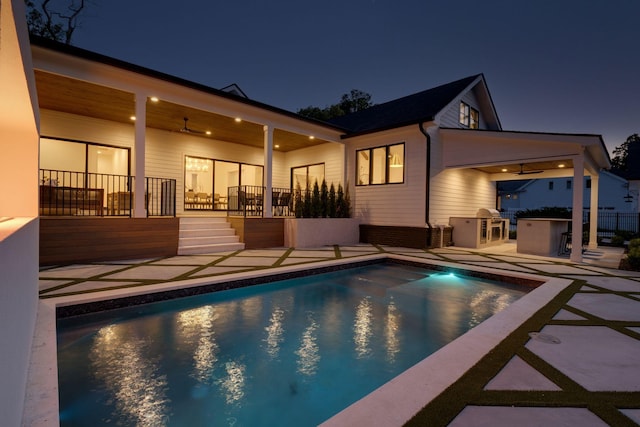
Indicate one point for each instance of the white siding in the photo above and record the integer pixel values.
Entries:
(391, 204)
(460, 192)
(451, 116)
(331, 154)
(457, 192)
(87, 129)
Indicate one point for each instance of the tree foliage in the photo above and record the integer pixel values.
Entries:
(355, 100)
(621, 154)
(55, 20)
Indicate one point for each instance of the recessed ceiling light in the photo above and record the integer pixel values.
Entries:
(154, 99)
(561, 165)
(238, 119)
(312, 137)
(277, 146)
(505, 170)
(133, 118)
(208, 132)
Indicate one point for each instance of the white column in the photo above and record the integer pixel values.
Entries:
(576, 217)
(139, 210)
(268, 171)
(593, 213)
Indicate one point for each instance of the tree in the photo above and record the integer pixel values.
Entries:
(620, 159)
(46, 20)
(351, 102)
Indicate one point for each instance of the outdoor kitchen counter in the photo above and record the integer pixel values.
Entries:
(541, 236)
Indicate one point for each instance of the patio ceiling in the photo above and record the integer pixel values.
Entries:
(528, 168)
(78, 97)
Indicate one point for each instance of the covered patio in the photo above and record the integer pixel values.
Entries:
(510, 155)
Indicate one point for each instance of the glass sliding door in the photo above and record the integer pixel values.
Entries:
(306, 176)
(227, 174)
(198, 183)
(207, 182)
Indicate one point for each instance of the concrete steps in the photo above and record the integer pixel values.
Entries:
(203, 235)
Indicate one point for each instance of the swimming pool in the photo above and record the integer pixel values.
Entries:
(293, 352)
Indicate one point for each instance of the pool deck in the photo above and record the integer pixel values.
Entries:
(568, 354)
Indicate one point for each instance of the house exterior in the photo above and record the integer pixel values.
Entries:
(538, 193)
(151, 146)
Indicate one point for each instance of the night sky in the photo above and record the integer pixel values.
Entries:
(551, 65)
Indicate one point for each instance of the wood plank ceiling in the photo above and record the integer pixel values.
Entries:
(60, 93)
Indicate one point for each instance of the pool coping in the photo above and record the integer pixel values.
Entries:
(393, 404)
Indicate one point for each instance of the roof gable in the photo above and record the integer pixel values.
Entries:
(417, 108)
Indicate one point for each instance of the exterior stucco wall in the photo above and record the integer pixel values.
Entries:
(18, 211)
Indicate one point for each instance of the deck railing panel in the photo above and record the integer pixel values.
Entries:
(69, 193)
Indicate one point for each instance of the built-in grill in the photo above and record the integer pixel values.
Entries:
(492, 214)
(487, 228)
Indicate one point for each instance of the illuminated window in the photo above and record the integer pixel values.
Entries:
(469, 116)
(380, 165)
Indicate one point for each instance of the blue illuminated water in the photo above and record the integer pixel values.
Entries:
(291, 353)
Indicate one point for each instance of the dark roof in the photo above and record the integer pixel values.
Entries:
(417, 108)
(97, 57)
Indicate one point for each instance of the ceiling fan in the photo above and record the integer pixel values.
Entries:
(524, 172)
(187, 129)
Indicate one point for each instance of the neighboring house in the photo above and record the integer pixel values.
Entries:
(613, 193)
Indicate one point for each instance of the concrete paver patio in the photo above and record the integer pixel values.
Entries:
(583, 367)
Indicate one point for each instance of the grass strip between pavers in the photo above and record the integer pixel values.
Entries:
(469, 389)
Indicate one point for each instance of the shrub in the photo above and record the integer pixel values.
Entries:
(633, 244)
(316, 206)
(633, 257)
(617, 240)
(331, 203)
(546, 212)
(321, 202)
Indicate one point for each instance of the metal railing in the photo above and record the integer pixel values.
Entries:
(67, 193)
(248, 200)
(160, 196)
(608, 222)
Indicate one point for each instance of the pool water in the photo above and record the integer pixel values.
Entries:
(289, 353)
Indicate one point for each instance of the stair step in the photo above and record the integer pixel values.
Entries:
(205, 249)
(207, 240)
(228, 231)
(201, 235)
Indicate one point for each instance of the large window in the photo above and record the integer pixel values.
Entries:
(306, 176)
(380, 165)
(469, 116)
(206, 181)
(85, 157)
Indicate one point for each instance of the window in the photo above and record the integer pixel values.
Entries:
(469, 116)
(550, 185)
(206, 181)
(588, 183)
(568, 184)
(380, 165)
(306, 176)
